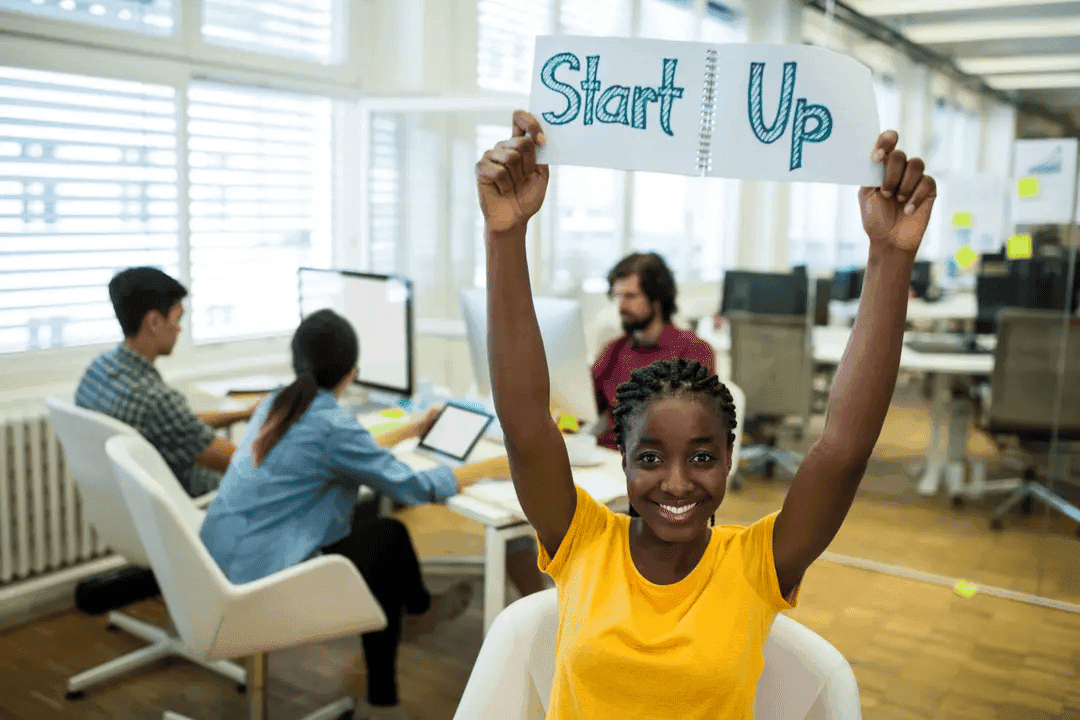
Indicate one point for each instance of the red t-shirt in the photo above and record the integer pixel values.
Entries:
(622, 357)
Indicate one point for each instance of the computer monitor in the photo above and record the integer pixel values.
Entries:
(920, 278)
(764, 293)
(379, 307)
(563, 333)
(822, 295)
(847, 284)
(994, 293)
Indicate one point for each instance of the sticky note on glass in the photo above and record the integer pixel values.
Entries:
(965, 256)
(1027, 187)
(965, 588)
(961, 220)
(568, 423)
(1018, 247)
(393, 413)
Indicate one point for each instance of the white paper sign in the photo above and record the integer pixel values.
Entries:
(755, 112)
(1044, 171)
(974, 210)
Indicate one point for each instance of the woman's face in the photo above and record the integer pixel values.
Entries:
(676, 456)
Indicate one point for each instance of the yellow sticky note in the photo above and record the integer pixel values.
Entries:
(568, 423)
(393, 413)
(965, 256)
(1028, 187)
(961, 220)
(383, 427)
(1018, 247)
(965, 589)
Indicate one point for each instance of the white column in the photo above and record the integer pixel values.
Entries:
(764, 206)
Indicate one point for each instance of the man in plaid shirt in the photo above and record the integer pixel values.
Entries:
(123, 382)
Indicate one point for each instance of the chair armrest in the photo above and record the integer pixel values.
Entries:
(203, 501)
(321, 598)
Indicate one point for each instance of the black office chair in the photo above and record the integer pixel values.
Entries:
(1024, 389)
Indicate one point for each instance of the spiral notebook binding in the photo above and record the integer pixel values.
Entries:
(708, 114)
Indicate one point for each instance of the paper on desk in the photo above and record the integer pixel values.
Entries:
(602, 486)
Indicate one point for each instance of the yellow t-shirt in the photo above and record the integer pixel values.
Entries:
(631, 649)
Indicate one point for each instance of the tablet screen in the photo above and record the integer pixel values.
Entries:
(456, 431)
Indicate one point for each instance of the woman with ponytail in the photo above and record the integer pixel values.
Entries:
(291, 491)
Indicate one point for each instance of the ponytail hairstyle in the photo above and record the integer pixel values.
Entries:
(324, 350)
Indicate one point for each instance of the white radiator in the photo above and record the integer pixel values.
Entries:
(42, 530)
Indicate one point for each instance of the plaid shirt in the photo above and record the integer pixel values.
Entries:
(123, 384)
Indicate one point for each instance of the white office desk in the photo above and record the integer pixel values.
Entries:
(958, 306)
(950, 417)
(494, 504)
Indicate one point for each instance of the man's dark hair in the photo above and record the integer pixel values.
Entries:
(656, 279)
(136, 291)
(670, 378)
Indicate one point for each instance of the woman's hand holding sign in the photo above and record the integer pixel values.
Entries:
(897, 213)
(511, 184)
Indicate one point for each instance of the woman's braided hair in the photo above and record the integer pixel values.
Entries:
(673, 378)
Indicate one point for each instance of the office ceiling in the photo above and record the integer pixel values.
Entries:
(1026, 48)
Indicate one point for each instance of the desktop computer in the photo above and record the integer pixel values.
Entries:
(379, 307)
(921, 278)
(763, 293)
(563, 333)
(847, 284)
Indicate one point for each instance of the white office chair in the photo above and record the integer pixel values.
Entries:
(804, 678)
(738, 398)
(83, 434)
(318, 599)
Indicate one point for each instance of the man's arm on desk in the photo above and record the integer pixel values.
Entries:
(493, 467)
(225, 419)
(417, 428)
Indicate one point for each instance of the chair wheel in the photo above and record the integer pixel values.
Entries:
(996, 524)
(241, 688)
(74, 695)
(958, 501)
(112, 628)
(1026, 505)
(347, 715)
(770, 469)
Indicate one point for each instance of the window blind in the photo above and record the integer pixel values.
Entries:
(149, 17)
(299, 29)
(506, 35)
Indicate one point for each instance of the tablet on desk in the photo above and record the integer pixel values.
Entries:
(455, 433)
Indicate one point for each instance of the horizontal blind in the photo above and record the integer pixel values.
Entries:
(384, 193)
(486, 138)
(594, 17)
(260, 206)
(298, 29)
(505, 40)
(88, 187)
(149, 17)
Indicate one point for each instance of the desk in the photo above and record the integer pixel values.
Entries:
(959, 306)
(950, 415)
(494, 504)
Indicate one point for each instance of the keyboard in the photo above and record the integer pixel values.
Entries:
(955, 346)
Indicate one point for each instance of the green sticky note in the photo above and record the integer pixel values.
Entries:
(568, 423)
(1028, 187)
(965, 256)
(961, 220)
(393, 413)
(1018, 247)
(965, 589)
(383, 427)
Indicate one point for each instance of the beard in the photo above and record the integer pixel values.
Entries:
(632, 326)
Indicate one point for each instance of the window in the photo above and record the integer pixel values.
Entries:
(486, 137)
(887, 94)
(260, 206)
(299, 29)
(151, 17)
(88, 187)
(505, 40)
(594, 17)
(384, 193)
(667, 20)
(588, 225)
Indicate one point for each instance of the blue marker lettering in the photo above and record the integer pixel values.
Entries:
(590, 85)
(804, 112)
(573, 100)
(754, 101)
(642, 97)
(668, 92)
(619, 115)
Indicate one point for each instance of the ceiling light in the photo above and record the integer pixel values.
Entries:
(1033, 81)
(1018, 64)
(930, 33)
(880, 8)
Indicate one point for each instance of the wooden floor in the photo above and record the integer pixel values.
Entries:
(920, 651)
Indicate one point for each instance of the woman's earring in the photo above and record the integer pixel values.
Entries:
(712, 521)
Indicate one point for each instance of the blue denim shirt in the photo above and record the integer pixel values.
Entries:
(302, 495)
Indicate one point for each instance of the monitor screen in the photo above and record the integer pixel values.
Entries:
(994, 293)
(920, 278)
(847, 284)
(379, 307)
(763, 293)
(563, 333)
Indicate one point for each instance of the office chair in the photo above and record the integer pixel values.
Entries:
(1024, 389)
(804, 678)
(321, 598)
(83, 434)
(772, 361)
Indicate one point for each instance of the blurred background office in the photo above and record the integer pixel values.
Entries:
(232, 143)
